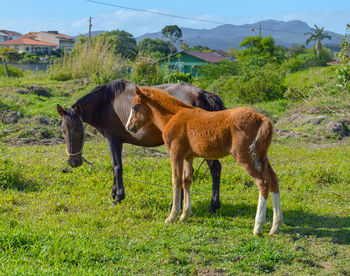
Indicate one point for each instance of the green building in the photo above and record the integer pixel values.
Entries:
(188, 61)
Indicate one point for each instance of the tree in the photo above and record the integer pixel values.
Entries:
(200, 48)
(150, 46)
(317, 35)
(184, 46)
(122, 43)
(172, 32)
(10, 54)
(258, 47)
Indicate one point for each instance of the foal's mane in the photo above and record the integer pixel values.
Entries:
(103, 95)
(163, 100)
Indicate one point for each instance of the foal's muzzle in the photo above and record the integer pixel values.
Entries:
(131, 129)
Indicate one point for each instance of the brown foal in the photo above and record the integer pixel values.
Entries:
(191, 132)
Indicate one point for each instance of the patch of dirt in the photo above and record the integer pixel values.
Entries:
(210, 272)
(9, 117)
(33, 141)
(282, 133)
(35, 90)
(316, 127)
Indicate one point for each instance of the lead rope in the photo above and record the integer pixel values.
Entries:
(229, 196)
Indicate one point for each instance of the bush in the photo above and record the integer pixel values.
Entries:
(294, 64)
(174, 77)
(96, 61)
(13, 71)
(145, 71)
(343, 75)
(261, 84)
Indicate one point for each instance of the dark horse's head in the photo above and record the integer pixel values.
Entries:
(73, 132)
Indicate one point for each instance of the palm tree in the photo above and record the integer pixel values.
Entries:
(318, 35)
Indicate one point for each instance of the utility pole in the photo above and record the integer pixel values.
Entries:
(260, 30)
(90, 25)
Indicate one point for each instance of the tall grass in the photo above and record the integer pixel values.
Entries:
(96, 61)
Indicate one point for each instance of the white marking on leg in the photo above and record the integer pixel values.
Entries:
(129, 119)
(175, 210)
(277, 213)
(254, 156)
(186, 212)
(260, 215)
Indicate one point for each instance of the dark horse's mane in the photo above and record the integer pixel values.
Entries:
(104, 94)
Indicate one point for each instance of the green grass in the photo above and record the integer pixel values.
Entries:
(55, 222)
(63, 223)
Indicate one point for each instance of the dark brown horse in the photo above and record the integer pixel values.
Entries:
(107, 109)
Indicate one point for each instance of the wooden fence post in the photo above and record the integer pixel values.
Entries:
(6, 68)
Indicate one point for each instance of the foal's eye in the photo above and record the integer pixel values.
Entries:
(136, 107)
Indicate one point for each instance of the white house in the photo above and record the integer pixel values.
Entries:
(29, 45)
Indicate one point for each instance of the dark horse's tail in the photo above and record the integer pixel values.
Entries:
(210, 101)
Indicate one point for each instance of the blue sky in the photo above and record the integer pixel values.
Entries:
(71, 16)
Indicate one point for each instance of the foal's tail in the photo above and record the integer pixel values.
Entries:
(258, 149)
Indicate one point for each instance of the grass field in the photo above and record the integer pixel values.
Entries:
(57, 220)
(62, 223)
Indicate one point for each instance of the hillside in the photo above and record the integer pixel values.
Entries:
(224, 36)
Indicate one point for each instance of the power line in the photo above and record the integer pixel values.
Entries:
(186, 18)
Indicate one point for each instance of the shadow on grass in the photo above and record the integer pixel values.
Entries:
(16, 181)
(303, 223)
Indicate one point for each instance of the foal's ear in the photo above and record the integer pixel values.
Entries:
(60, 110)
(77, 109)
(139, 92)
(142, 94)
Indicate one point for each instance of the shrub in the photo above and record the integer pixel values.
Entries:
(261, 84)
(13, 71)
(174, 77)
(96, 61)
(343, 75)
(294, 64)
(145, 71)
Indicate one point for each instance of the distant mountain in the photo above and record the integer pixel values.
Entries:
(225, 36)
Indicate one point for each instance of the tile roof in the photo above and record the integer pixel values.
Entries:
(220, 52)
(58, 35)
(10, 33)
(64, 36)
(210, 57)
(27, 41)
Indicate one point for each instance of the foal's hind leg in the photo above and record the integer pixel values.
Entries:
(177, 167)
(186, 185)
(276, 202)
(262, 180)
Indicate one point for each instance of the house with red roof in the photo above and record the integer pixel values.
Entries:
(61, 40)
(188, 61)
(29, 45)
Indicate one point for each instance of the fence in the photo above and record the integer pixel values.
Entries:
(31, 66)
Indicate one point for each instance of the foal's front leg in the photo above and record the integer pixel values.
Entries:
(177, 167)
(187, 180)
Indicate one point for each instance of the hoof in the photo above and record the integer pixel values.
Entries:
(118, 198)
(168, 220)
(274, 230)
(257, 233)
(214, 206)
(184, 217)
(171, 218)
